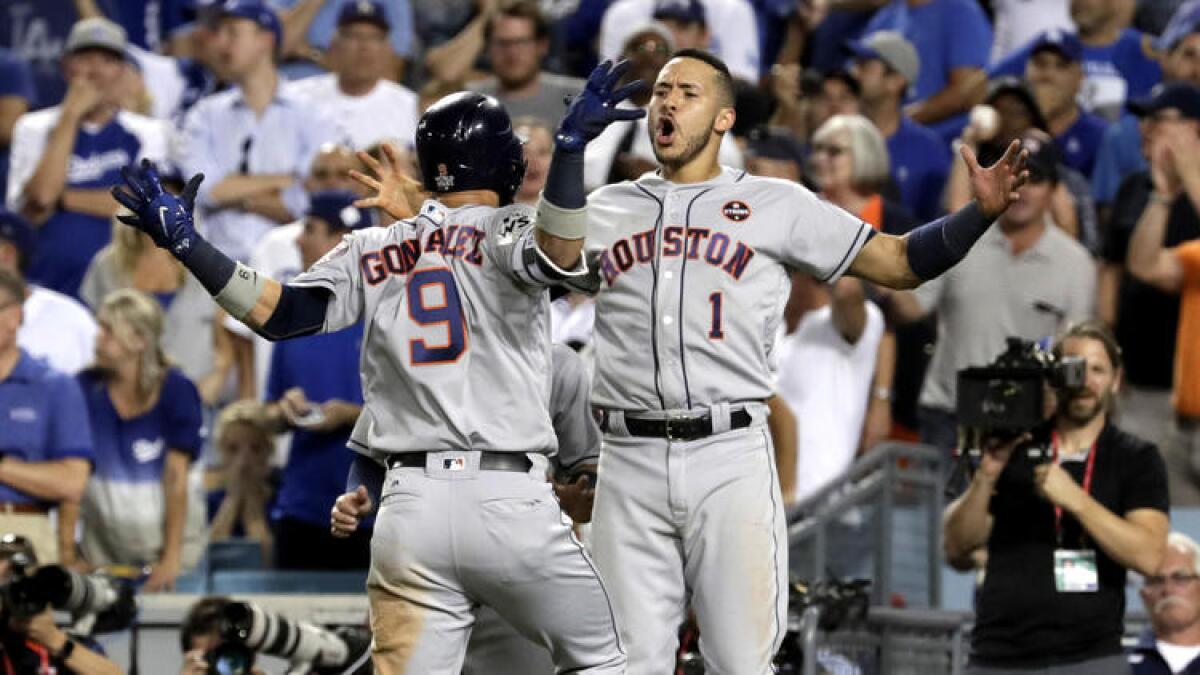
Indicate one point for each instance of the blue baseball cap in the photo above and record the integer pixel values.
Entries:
(1183, 97)
(257, 11)
(17, 231)
(1184, 22)
(683, 11)
(1066, 43)
(364, 11)
(337, 208)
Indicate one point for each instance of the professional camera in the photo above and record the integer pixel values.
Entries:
(97, 604)
(248, 629)
(1007, 397)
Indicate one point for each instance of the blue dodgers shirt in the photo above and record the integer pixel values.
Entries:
(1080, 143)
(920, 164)
(126, 485)
(43, 418)
(133, 451)
(69, 240)
(947, 34)
(326, 367)
(1113, 73)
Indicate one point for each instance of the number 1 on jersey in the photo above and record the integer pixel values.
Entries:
(427, 309)
(715, 332)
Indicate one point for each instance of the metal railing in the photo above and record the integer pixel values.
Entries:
(881, 519)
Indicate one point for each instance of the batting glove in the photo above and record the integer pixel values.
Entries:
(165, 217)
(596, 107)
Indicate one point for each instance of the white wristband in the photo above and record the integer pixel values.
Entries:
(241, 293)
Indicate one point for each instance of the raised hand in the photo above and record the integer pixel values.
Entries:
(596, 107)
(394, 191)
(165, 217)
(995, 187)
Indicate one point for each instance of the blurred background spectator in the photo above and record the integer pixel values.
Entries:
(310, 27)
(46, 437)
(140, 507)
(65, 158)
(1172, 599)
(240, 487)
(56, 327)
(320, 405)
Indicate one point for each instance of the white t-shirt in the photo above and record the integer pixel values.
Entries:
(731, 24)
(826, 381)
(387, 113)
(1177, 656)
(58, 329)
(278, 257)
(1019, 21)
(598, 156)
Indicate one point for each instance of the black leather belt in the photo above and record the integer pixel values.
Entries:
(488, 461)
(680, 428)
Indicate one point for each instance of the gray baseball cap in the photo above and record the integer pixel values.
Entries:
(96, 33)
(893, 49)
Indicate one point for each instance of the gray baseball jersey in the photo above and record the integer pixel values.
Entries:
(456, 349)
(711, 259)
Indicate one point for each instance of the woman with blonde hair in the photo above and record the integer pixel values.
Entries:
(131, 260)
(146, 418)
(242, 482)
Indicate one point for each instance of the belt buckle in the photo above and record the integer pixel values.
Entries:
(679, 428)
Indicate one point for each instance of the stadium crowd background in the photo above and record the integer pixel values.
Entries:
(152, 424)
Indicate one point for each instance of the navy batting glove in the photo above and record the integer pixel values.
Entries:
(163, 216)
(596, 107)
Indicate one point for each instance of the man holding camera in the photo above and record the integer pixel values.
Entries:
(35, 644)
(1061, 532)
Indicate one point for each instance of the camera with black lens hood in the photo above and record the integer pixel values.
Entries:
(247, 629)
(96, 603)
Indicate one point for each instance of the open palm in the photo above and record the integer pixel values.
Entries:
(995, 187)
(393, 191)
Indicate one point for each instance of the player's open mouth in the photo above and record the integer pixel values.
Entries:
(665, 133)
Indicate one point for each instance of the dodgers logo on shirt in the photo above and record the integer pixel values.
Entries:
(146, 450)
(23, 415)
(736, 211)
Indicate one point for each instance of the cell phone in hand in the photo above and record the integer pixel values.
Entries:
(311, 417)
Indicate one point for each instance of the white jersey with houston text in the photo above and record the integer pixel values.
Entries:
(691, 280)
(456, 344)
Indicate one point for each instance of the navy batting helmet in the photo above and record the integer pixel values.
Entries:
(465, 141)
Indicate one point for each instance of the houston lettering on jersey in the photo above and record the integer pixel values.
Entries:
(455, 241)
(716, 248)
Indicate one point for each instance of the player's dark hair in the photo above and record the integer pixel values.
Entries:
(723, 78)
(203, 618)
(1092, 330)
(12, 284)
(520, 9)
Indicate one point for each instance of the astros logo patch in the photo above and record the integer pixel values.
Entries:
(735, 211)
(443, 180)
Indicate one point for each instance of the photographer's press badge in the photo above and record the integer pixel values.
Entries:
(1075, 571)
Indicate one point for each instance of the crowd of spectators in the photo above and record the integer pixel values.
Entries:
(153, 424)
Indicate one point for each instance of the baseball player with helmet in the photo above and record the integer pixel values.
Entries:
(456, 371)
(690, 267)
(495, 646)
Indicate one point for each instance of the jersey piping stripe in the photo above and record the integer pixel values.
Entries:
(774, 541)
(612, 616)
(687, 223)
(862, 229)
(654, 266)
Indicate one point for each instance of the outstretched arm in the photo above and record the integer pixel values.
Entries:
(269, 308)
(931, 249)
(562, 213)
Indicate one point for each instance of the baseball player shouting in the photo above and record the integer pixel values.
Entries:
(456, 368)
(690, 267)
